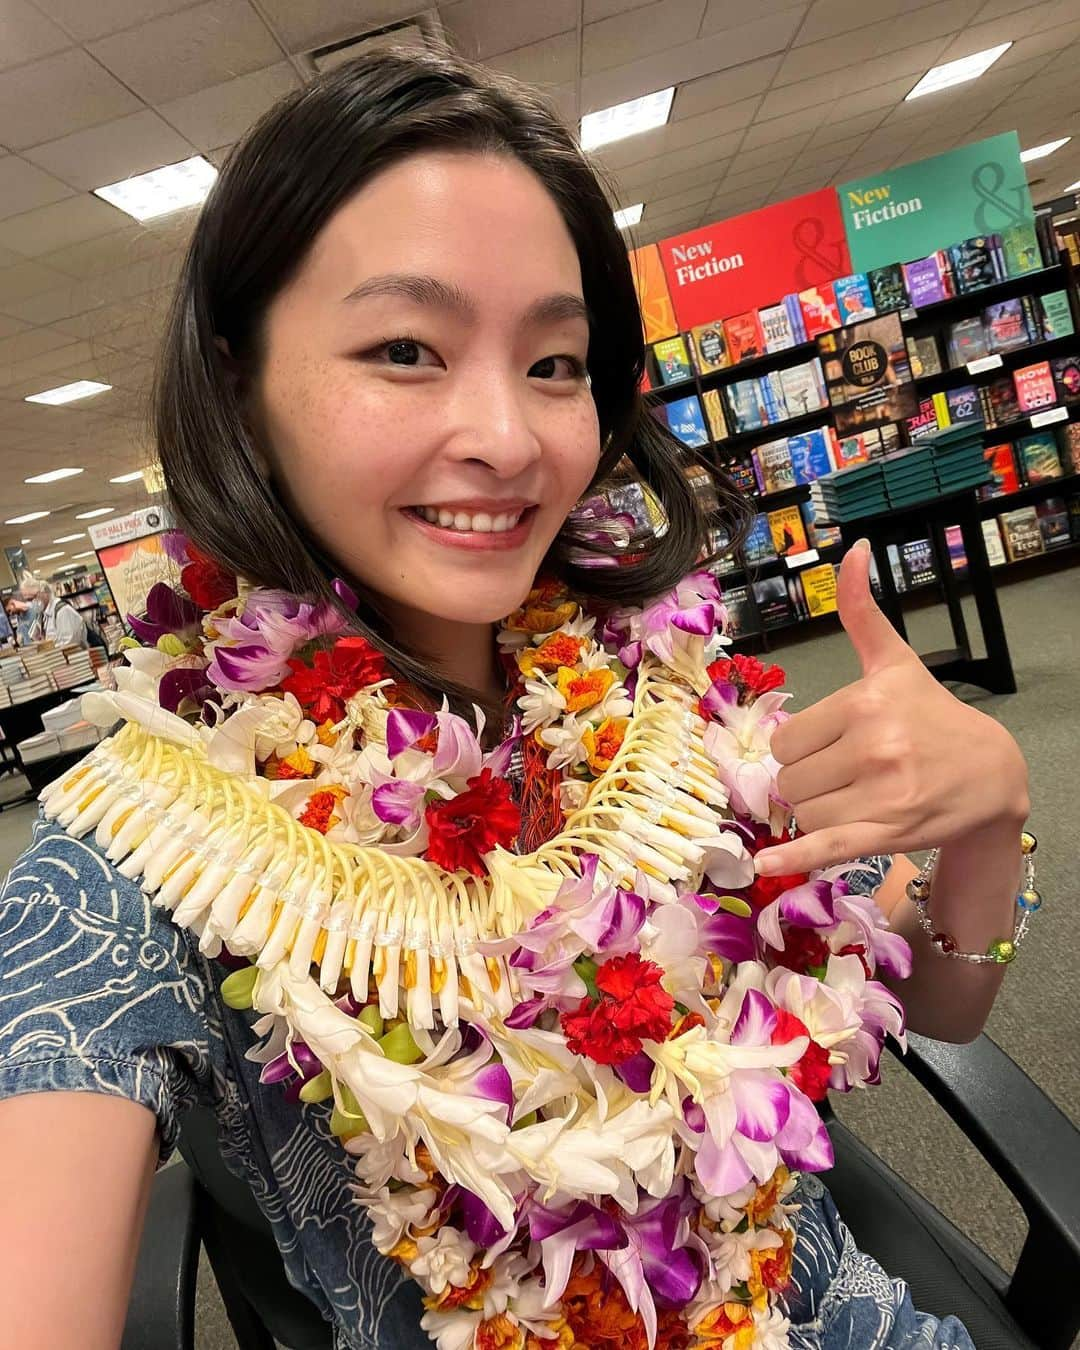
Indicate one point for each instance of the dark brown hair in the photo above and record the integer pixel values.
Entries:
(278, 187)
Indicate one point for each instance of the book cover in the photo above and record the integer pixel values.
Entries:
(1053, 514)
(714, 414)
(1020, 248)
(787, 529)
(809, 455)
(852, 450)
(1003, 401)
(744, 406)
(1066, 372)
(995, 554)
(1070, 447)
(973, 264)
(758, 547)
(954, 542)
(741, 618)
(1021, 534)
(868, 374)
(967, 341)
(776, 328)
(819, 588)
(925, 284)
(820, 311)
(742, 475)
(773, 398)
(1002, 466)
(924, 422)
(795, 317)
(1056, 313)
(774, 604)
(1006, 326)
(924, 356)
(1073, 504)
(708, 347)
(917, 559)
(819, 534)
(963, 405)
(1037, 456)
(853, 299)
(887, 288)
(773, 461)
(687, 421)
(672, 360)
(804, 388)
(1035, 387)
(896, 571)
(796, 596)
(745, 339)
(704, 486)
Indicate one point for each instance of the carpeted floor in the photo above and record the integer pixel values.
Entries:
(1037, 1015)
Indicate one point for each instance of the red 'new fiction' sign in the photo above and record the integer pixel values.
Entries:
(755, 259)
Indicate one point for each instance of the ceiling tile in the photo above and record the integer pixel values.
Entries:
(479, 29)
(10, 326)
(23, 280)
(677, 135)
(737, 85)
(725, 14)
(24, 186)
(79, 94)
(1029, 17)
(193, 49)
(553, 61)
(630, 37)
(102, 155)
(224, 112)
(56, 226)
(594, 10)
(122, 248)
(28, 34)
(87, 19)
(304, 25)
(830, 18)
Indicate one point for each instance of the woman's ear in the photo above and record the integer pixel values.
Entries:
(235, 376)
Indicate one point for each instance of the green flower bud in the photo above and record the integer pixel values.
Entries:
(399, 1045)
(318, 1089)
(171, 645)
(238, 989)
(371, 1018)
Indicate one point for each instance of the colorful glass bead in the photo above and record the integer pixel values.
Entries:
(1028, 842)
(943, 942)
(1002, 950)
(1029, 900)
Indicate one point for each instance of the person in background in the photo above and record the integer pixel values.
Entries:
(57, 620)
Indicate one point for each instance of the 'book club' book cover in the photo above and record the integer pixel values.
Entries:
(1035, 387)
(868, 374)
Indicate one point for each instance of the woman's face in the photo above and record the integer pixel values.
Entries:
(423, 401)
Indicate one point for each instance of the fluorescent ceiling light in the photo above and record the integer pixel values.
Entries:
(958, 72)
(161, 191)
(127, 477)
(629, 215)
(1073, 187)
(88, 554)
(626, 119)
(98, 511)
(24, 541)
(1041, 151)
(68, 393)
(53, 476)
(25, 520)
(48, 557)
(67, 538)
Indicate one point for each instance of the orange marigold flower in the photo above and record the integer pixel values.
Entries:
(600, 1317)
(728, 1320)
(319, 812)
(602, 743)
(297, 765)
(767, 1197)
(499, 1333)
(561, 649)
(686, 1023)
(770, 1267)
(583, 691)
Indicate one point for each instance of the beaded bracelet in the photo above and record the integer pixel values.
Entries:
(1001, 950)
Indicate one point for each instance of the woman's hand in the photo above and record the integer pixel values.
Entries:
(892, 763)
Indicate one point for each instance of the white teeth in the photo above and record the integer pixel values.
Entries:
(463, 521)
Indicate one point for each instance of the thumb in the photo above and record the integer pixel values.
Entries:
(876, 641)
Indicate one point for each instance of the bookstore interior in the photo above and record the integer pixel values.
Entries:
(906, 331)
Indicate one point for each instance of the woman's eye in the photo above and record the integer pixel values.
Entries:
(402, 351)
(547, 368)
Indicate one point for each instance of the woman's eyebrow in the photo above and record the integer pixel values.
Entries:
(432, 291)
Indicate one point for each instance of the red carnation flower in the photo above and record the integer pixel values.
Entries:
(633, 1008)
(857, 949)
(803, 949)
(323, 689)
(763, 891)
(811, 1073)
(747, 674)
(463, 828)
(206, 581)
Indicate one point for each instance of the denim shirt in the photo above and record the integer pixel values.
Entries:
(101, 992)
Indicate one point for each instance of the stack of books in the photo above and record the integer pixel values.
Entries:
(959, 459)
(77, 670)
(909, 476)
(848, 494)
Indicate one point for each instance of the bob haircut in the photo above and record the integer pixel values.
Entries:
(279, 186)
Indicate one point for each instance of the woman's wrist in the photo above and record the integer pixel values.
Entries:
(976, 882)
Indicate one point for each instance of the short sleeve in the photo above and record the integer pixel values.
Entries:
(870, 873)
(99, 991)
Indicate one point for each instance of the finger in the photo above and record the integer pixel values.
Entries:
(820, 774)
(877, 643)
(832, 810)
(823, 848)
(813, 729)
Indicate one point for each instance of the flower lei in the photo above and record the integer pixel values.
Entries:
(586, 1134)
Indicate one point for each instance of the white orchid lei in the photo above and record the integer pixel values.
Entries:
(575, 1084)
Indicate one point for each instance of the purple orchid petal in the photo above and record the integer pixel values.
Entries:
(345, 593)
(630, 655)
(756, 1021)
(762, 1104)
(248, 668)
(277, 1070)
(626, 916)
(459, 752)
(526, 1014)
(183, 682)
(397, 803)
(498, 761)
(673, 1274)
(493, 1083)
(809, 905)
(481, 1225)
(174, 544)
(592, 1228)
(720, 697)
(404, 727)
(729, 936)
(636, 1072)
(701, 619)
(721, 1170)
(693, 1115)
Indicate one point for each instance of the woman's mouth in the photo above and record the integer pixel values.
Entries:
(474, 529)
